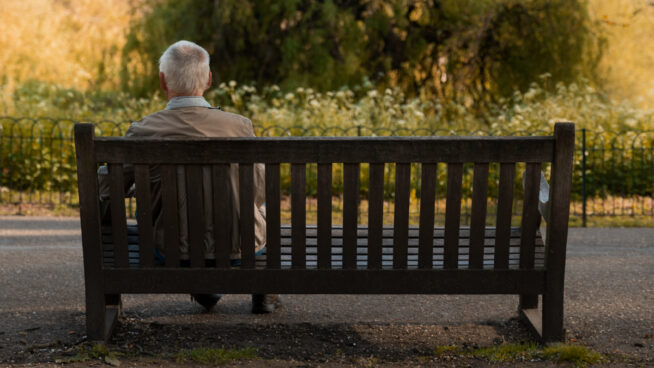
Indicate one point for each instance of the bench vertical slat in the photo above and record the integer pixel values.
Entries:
(452, 215)
(273, 250)
(246, 213)
(375, 215)
(324, 216)
(222, 213)
(504, 212)
(478, 218)
(144, 214)
(170, 214)
(528, 227)
(557, 231)
(195, 214)
(298, 215)
(350, 213)
(530, 216)
(118, 221)
(401, 218)
(427, 199)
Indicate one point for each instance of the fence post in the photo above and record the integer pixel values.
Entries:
(359, 130)
(583, 177)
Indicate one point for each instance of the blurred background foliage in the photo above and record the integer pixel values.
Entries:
(474, 52)
(336, 67)
(480, 49)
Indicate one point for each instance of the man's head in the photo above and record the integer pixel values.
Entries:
(184, 70)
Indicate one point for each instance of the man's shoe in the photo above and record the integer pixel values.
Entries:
(265, 303)
(206, 300)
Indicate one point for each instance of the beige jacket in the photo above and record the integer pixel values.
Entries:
(196, 122)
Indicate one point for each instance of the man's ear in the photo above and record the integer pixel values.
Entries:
(162, 82)
(209, 82)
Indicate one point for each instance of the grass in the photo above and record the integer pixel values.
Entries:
(445, 349)
(215, 356)
(95, 352)
(579, 356)
(507, 352)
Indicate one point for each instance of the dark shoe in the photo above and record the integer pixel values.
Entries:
(265, 303)
(206, 300)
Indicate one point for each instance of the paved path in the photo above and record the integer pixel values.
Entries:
(609, 293)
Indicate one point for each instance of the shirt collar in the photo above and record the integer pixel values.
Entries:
(187, 101)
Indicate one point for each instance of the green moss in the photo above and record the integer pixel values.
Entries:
(95, 352)
(215, 356)
(446, 349)
(576, 354)
(507, 352)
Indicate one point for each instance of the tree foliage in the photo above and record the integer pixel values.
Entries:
(474, 49)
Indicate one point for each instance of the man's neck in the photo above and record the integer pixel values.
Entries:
(170, 95)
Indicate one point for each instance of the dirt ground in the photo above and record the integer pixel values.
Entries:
(609, 308)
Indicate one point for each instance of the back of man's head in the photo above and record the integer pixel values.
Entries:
(185, 66)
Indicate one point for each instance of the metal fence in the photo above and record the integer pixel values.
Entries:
(614, 171)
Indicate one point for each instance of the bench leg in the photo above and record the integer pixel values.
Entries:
(102, 312)
(528, 301)
(114, 301)
(553, 317)
(95, 314)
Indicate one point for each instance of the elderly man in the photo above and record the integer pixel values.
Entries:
(184, 76)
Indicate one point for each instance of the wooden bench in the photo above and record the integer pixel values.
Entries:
(325, 258)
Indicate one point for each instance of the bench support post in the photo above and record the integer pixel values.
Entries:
(557, 232)
(99, 319)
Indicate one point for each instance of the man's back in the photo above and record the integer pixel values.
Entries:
(198, 122)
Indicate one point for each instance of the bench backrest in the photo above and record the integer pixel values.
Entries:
(219, 153)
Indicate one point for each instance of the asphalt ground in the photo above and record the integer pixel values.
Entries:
(609, 296)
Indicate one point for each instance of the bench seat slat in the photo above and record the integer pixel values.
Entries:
(385, 257)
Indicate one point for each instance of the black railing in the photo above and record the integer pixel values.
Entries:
(614, 171)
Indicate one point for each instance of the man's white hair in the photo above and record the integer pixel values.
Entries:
(186, 67)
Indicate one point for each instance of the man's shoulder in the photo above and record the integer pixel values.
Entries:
(192, 121)
(219, 113)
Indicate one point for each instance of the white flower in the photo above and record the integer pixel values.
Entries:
(232, 84)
